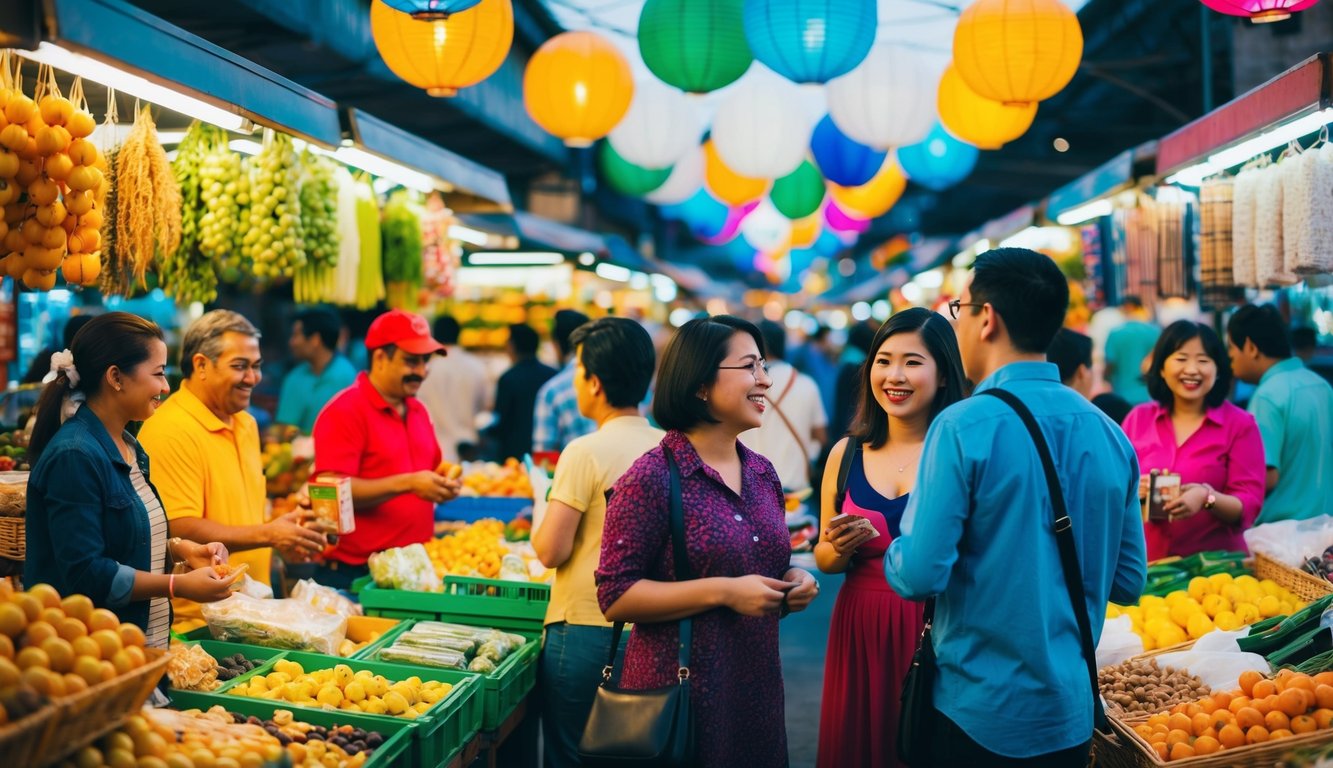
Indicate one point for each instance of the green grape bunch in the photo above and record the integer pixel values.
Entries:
(273, 243)
(319, 210)
(220, 191)
(187, 274)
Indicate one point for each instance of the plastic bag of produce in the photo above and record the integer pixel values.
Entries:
(324, 598)
(1218, 670)
(1119, 642)
(407, 568)
(1290, 542)
(286, 624)
(512, 568)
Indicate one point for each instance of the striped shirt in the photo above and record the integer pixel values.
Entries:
(159, 611)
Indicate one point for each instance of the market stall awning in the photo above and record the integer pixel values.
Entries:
(1116, 174)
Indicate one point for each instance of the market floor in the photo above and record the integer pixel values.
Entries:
(804, 640)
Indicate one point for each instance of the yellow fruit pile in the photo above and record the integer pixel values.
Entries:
(478, 548)
(508, 480)
(341, 688)
(1211, 602)
(62, 647)
(1261, 710)
(165, 739)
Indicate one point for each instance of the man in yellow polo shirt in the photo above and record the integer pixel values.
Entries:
(205, 455)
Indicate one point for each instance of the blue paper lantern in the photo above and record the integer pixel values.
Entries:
(430, 10)
(940, 161)
(827, 245)
(705, 215)
(843, 161)
(811, 41)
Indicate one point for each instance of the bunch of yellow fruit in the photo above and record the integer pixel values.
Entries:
(509, 480)
(474, 550)
(1220, 601)
(341, 688)
(166, 739)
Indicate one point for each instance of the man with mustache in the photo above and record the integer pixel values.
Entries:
(205, 453)
(380, 435)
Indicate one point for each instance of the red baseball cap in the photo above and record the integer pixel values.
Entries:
(408, 332)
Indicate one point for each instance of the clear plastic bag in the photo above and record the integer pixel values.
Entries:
(1290, 542)
(324, 598)
(285, 624)
(407, 568)
(1118, 642)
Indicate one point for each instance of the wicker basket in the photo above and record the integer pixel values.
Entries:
(84, 717)
(13, 544)
(1110, 750)
(1264, 755)
(20, 741)
(1301, 584)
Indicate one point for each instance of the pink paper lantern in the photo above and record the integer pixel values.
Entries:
(733, 225)
(839, 220)
(1260, 11)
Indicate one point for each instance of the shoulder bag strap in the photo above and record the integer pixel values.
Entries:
(1064, 537)
(849, 454)
(777, 408)
(683, 573)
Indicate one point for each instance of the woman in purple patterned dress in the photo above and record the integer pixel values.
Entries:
(711, 388)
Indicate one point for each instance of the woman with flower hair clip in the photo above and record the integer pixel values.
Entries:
(95, 524)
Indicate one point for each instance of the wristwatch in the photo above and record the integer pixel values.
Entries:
(1211, 501)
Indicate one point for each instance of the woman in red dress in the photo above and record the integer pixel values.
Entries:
(913, 373)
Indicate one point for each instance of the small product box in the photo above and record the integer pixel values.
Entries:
(1163, 488)
(331, 502)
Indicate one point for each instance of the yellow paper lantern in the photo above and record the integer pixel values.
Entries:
(578, 86)
(1017, 51)
(727, 185)
(875, 197)
(804, 232)
(983, 123)
(446, 54)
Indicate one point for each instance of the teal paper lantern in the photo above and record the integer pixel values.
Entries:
(811, 41)
(939, 162)
(626, 177)
(799, 193)
(696, 45)
(430, 10)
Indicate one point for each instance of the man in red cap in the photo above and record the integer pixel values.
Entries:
(380, 435)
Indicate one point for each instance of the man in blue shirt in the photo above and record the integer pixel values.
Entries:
(557, 421)
(1126, 349)
(1013, 687)
(1294, 409)
(321, 373)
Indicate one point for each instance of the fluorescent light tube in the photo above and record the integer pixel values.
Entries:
(1268, 141)
(612, 272)
(374, 164)
(1087, 212)
(469, 235)
(107, 74)
(515, 259)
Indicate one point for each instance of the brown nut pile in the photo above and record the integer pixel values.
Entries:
(1139, 685)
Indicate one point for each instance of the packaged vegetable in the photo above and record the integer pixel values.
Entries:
(410, 655)
(284, 624)
(482, 665)
(407, 568)
(324, 598)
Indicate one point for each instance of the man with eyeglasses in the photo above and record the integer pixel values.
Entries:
(379, 434)
(205, 454)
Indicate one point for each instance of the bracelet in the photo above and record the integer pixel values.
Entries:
(171, 586)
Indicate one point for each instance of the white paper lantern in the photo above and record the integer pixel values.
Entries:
(765, 228)
(761, 129)
(685, 179)
(661, 126)
(887, 101)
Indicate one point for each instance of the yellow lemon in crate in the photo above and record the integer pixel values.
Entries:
(1221, 581)
(1269, 606)
(1215, 604)
(1181, 612)
(1247, 613)
(1227, 620)
(1199, 587)
(1170, 635)
(1199, 625)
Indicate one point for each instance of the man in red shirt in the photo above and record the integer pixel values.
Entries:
(380, 435)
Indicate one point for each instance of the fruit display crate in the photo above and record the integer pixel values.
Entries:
(508, 605)
(398, 733)
(1263, 755)
(20, 740)
(470, 509)
(453, 720)
(84, 717)
(1307, 587)
(505, 688)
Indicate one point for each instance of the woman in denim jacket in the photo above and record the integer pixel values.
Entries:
(95, 525)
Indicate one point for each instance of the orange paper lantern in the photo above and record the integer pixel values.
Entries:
(875, 197)
(804, 232)
(1017, 51)
(727, 185)
(983, 123)
(446, 54)
(578, 86)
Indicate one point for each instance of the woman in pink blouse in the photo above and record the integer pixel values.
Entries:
(1191, 430)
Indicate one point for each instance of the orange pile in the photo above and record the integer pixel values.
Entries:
(1261, 710)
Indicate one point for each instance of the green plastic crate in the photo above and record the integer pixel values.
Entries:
(399, 734)
(509, 605)
(503, 689)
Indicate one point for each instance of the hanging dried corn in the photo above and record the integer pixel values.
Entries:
(148, 220)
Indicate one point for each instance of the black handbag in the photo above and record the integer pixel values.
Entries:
(916, 719)
(654, 728)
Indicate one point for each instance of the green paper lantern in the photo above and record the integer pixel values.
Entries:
(626, 177)
(799, 193)
(696, 45)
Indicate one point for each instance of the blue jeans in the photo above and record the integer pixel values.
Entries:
(571, 670)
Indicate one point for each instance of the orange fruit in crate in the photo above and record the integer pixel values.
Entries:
(78, 607)
(12, 620)
(1323, 718)
(1200, 723)
(1206, 745)
(1180, 722)
(1324, 678)
(1276, 721)
(1256, 735)
(1281, 733)
(1263, 689)
(1207, 706)
(103, 619)
(1181, 750)
(1264, 706)
(1294, 701)
(1222, 717)
(1231, 737)
(1163, 753)
(1178, 737)
(1303, 724)
(1146, 731)
(1248, 680)
(47, 594)
(1323, 696)
(1158, 719)
(1222, 699)
(1238, 703)
(32, 607)
(1249, 717)
(1302, 681)
(38, 633)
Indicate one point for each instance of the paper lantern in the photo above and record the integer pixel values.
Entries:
(811, 41)
(875, 197)
(887, 101)
(842, 160)
(704, 215)
(765, 228)
(1017, 51)
(983, 123)
(939, 162)
(696, 45)
(626, 177)
(804, 232)
(577, 86)
(839, 220)
(727, 185)
(760, 130)
(799, 193)
(828, 245)
(430, 10)
(444, 55)
(662, 124)
(1260, 11)
(687, 175)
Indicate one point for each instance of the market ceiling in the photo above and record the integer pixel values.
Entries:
(1140, 79)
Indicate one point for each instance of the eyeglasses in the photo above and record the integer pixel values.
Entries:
(754, 368)
(956, 303)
